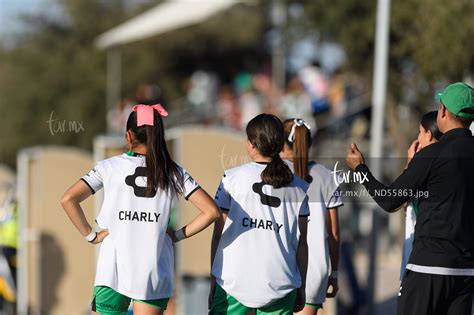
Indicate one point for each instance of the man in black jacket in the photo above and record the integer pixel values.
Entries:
(440, 271)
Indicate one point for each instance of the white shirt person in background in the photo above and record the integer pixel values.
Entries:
(259, 252)
(136, 260)
(323, 224)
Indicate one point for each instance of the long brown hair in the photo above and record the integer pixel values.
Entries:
(265, 133)
(300, 144)
(161, 171)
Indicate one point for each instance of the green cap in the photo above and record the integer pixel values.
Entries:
(458, 98)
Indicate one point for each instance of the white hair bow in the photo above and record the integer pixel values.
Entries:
(297, 122)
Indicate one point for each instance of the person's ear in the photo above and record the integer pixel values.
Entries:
(249, 144)
(128, 137)
(444, 111)
(430, 136)
(286, 152)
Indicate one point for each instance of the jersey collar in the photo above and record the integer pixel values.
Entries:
(131, 153)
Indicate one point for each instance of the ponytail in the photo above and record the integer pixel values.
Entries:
(298, 139)
(161, 171)
(265, 133)
(277, 173)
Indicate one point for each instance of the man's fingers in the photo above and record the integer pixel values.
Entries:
(354, 147)
(349, 150)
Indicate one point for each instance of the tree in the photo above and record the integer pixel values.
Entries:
(52, 82)
(430, 44)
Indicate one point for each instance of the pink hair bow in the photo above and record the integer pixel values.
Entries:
(145, 113)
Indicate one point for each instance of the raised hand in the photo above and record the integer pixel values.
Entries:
(414, 147)
(354, 157)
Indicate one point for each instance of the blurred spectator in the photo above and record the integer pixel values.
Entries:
(337, 94)
(203, 89)
(316, 85)
(117, 116)
(296, 103)
(250, 104)
(149, 94)
(8, 252)
(228, 108)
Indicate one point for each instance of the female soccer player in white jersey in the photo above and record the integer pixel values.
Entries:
(323, 225)
(135, 261)
(259, 250)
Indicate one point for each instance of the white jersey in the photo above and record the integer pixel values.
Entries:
(323, 194)
(136, 259)
(256, 256)
(410, 222)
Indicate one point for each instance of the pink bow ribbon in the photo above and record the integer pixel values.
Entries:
(145, 113)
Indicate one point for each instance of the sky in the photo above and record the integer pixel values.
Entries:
(11, 9)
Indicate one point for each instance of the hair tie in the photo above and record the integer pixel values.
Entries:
(297, 122)
(145, 113)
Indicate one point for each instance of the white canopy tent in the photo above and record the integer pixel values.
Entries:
(167, 16)
(170, 15)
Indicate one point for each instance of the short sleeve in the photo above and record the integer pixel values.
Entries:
(190, 185)
(222, 197)
(304, 209)
(334, 199)
(332, 193)
(95, 178)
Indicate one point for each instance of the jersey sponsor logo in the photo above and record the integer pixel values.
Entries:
(139, 191)
(267, 200)
(261, 224)
(138, 216)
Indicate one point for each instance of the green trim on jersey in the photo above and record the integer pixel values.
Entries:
(131, 153)
(107, 301)
(223, 303)
(318, 306)
(415, 203)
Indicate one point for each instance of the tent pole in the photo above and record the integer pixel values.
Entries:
(379, 95)
(278, 17)
(114, 77)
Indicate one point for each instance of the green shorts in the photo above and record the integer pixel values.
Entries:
(223, 303)
(107, 301)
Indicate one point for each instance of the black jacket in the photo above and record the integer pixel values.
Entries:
(444, 231)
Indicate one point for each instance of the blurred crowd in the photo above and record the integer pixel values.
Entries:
(310, 93)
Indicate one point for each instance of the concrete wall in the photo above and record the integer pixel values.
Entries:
(56, 265)
(205, 153)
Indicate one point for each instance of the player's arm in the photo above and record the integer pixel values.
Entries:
(405, 187)
(217, 233)
(70, 202)
(334, 242)
(208, 214)
(216, 237)
(302, 261)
